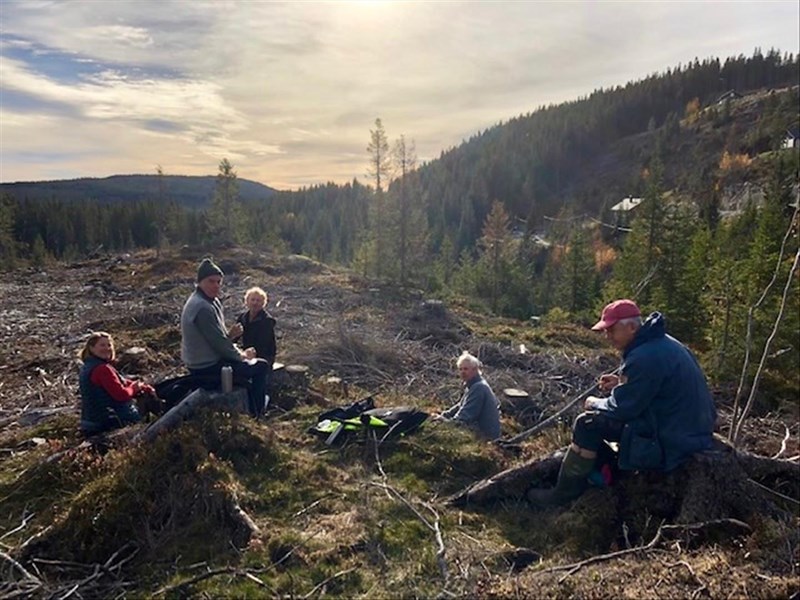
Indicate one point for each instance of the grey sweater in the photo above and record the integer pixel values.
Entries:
(478, 408)
(204, 339)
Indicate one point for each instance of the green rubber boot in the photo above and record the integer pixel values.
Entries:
(571, 482)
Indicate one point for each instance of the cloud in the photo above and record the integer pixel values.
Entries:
(288, 91)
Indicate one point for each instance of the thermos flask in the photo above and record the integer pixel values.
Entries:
(227, 378)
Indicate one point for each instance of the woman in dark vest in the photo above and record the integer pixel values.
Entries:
(106, 396)
(255, 328)
(257, 325)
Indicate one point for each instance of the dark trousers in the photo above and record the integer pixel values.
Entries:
(593, 427)
(254, 374)
(117, 415)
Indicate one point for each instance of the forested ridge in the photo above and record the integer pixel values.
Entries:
(517, 219)
(505, 246)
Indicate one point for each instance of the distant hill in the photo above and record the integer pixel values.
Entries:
(193, 192)
(585, 155)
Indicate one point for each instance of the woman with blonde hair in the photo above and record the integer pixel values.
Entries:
(256, 329)
(106, 396)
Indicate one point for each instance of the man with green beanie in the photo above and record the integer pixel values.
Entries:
(205, 344)
(660, 409)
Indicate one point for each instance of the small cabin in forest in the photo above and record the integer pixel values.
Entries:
(729, 95)
(626, 205)
(791, 138)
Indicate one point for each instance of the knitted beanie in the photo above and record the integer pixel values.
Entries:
(207, 268)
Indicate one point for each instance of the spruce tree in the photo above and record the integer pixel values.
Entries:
(224, 213)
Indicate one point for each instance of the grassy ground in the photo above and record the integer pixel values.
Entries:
(361, 520)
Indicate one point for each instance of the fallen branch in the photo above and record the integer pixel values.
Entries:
(25, 573)
(20, 527)
(434, 527)
(551, 419)
(233, 571)
(328, 580)
(702, 585)
(662, 530)
(773, 492)
(779, 453)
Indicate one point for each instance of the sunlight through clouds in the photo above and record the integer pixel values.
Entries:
(288, 91)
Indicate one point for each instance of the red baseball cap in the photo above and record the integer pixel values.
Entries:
(616, 311)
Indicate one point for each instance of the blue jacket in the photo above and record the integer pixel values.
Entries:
(663, 392)
(99, 411)
(478, 408)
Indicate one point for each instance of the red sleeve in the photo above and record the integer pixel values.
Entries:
(107, 378)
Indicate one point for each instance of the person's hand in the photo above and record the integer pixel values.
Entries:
(250, 353)
(608, 382)
(235, 331)
(591, 402)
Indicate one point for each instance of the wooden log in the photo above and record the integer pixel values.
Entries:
(235, 401)
(511, 483)
(516, 394)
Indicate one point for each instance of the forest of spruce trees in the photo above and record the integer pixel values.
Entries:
(517, 219)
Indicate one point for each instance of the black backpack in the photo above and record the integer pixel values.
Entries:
(341, 423)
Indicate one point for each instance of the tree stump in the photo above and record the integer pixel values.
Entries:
(718, 484)
(519, 403)
(289, 385)
(278, 375)
(337, 386)
(297, 376)
(133, 360)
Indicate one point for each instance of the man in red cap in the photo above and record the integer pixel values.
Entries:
(659, 409)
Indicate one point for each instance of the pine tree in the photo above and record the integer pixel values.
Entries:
(379, 169)
(578, 286)
(669, 295)
(495, 244)
(692, 322)
(224, 211)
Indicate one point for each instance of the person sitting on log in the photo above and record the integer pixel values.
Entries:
(107, 398)
(206, 346)
(255, 327)
(660, 410)
(478, 407)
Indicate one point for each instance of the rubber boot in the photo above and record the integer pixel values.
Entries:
(571, 482)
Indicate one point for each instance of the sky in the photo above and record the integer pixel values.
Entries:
(289, 91)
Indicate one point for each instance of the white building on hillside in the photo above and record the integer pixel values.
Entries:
(626, 205)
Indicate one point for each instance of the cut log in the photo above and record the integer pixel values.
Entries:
(235, 401)
(511, 483)
(515, 394)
